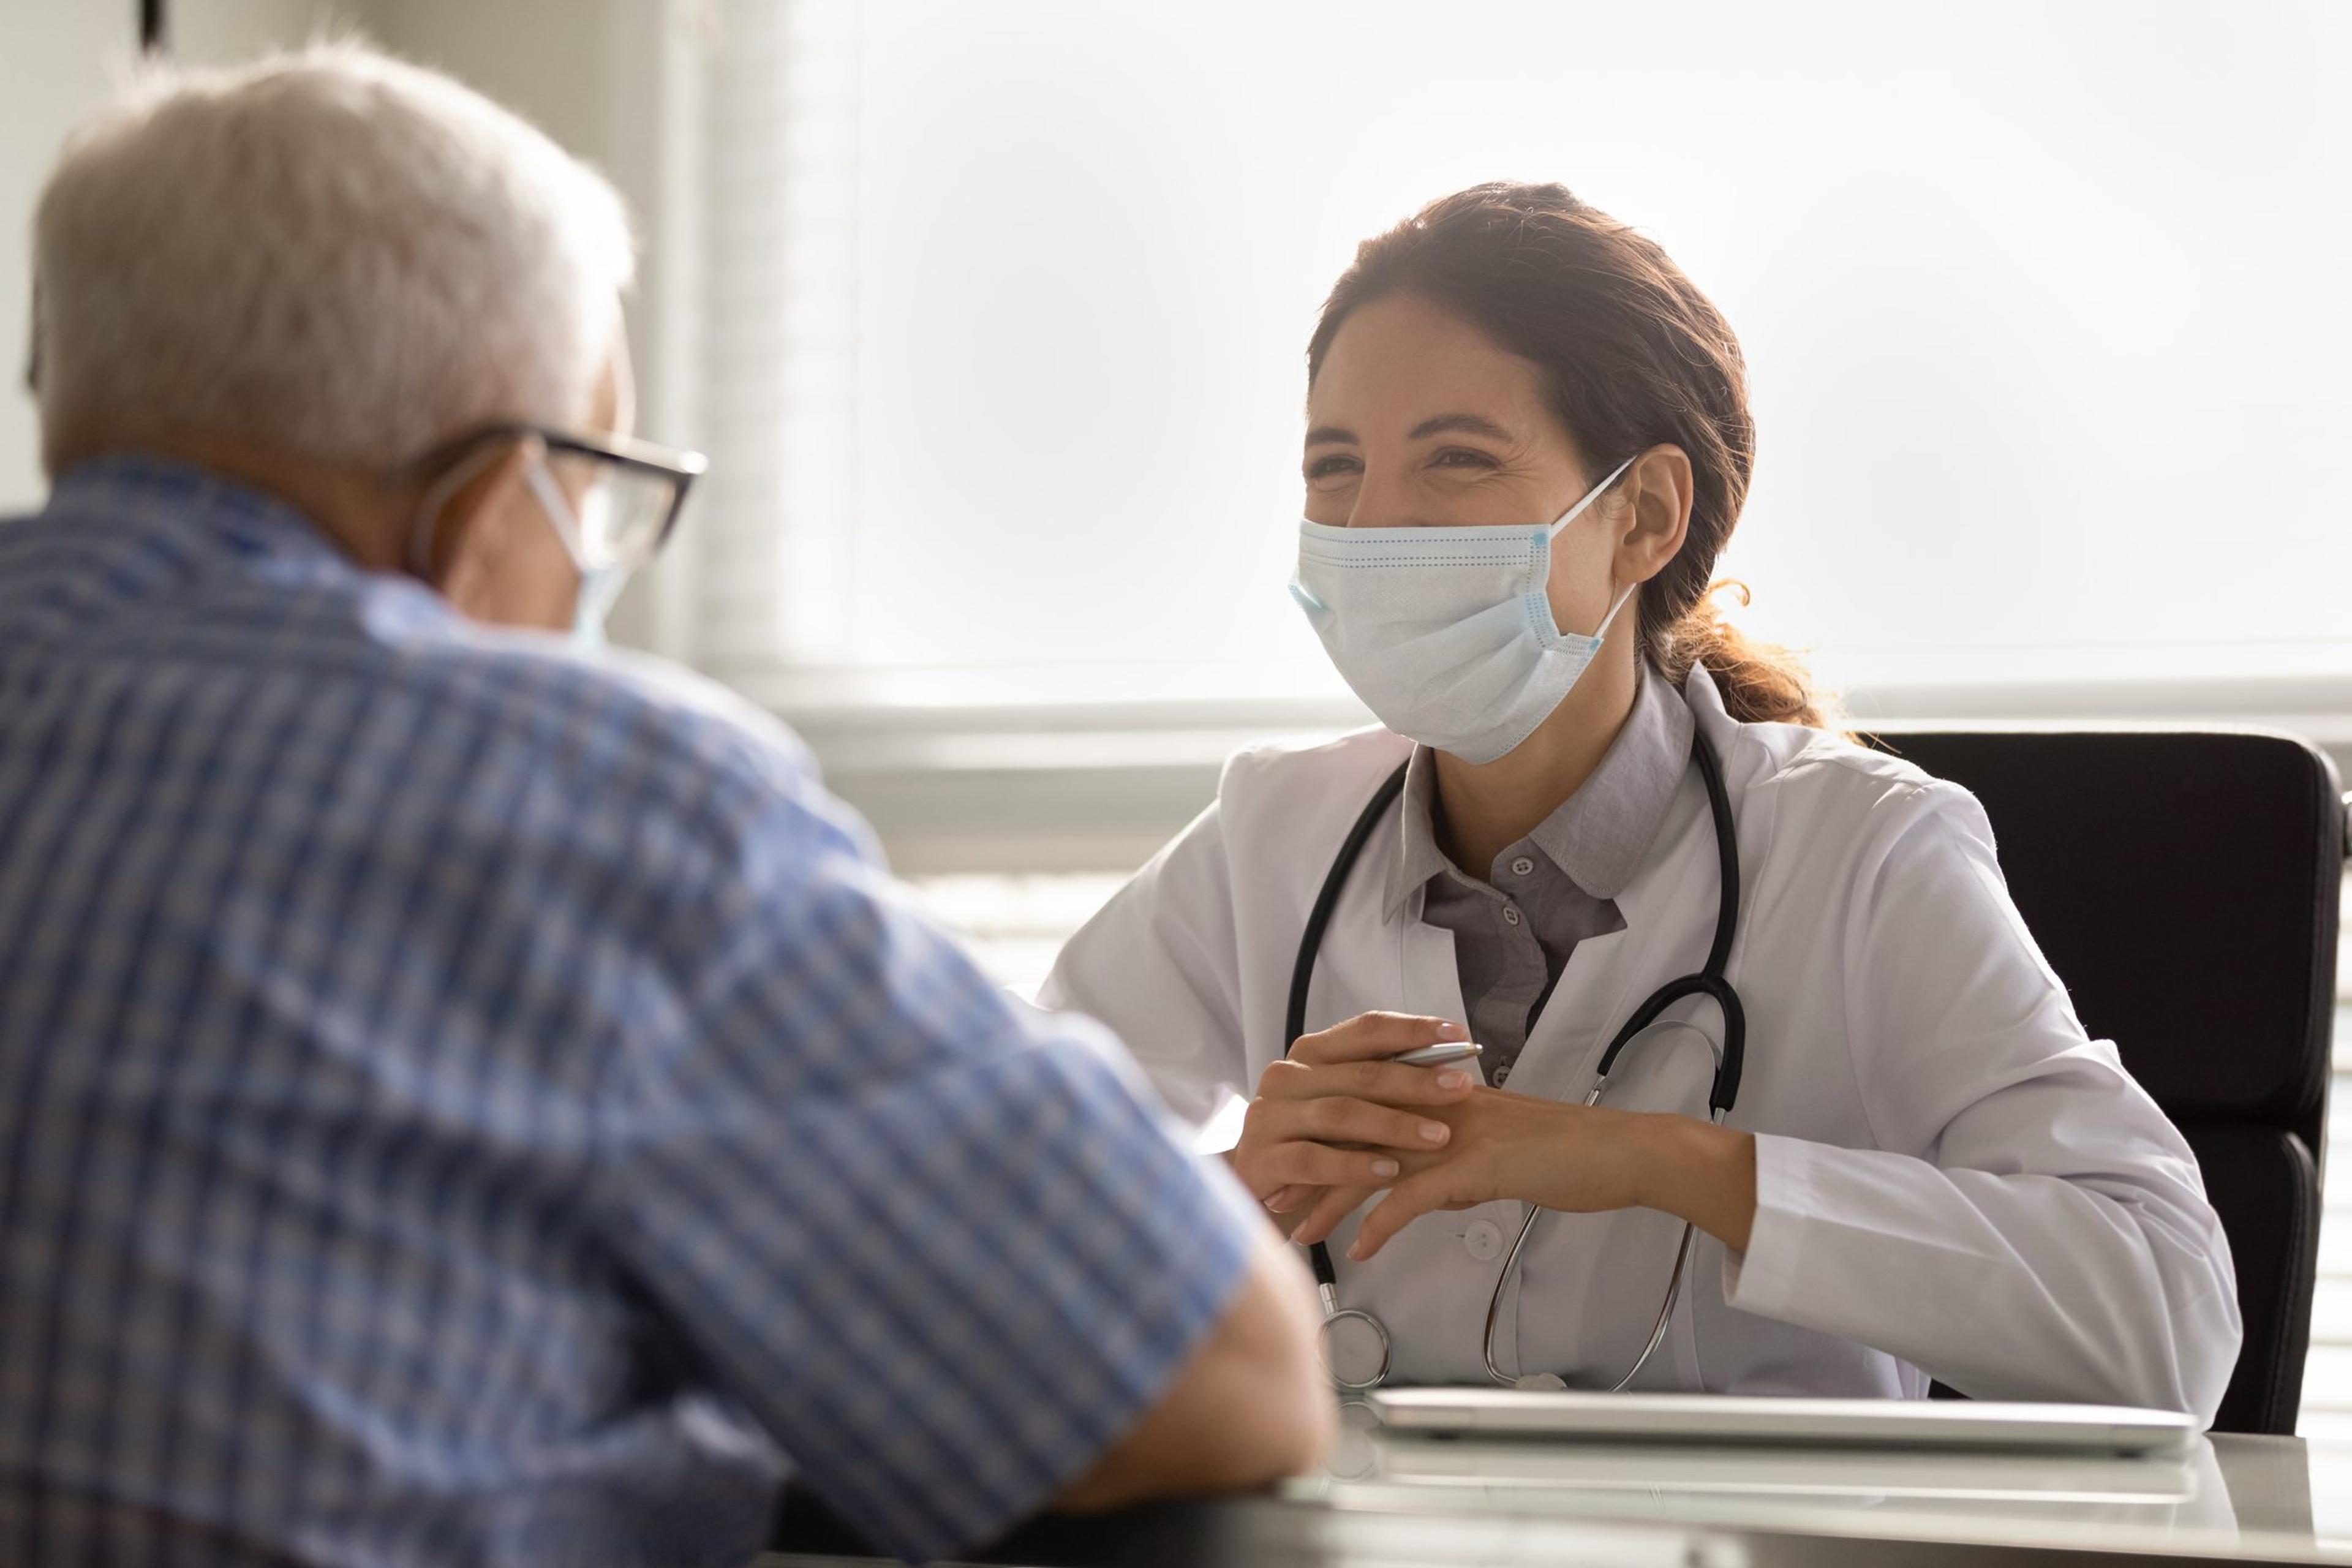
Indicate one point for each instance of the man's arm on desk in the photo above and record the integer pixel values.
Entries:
(953, 1255)
(1248, 1408)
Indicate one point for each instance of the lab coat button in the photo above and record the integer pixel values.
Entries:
(1483, 1239)
(1510, 916)
(1522, 865)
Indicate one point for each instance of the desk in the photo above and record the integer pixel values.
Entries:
(1393, 1500)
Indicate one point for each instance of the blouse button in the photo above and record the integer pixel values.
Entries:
(1483, 1239)
(1510, 916)
(1522, 865)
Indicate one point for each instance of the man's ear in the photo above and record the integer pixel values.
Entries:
(463, 554)
(1658, 492)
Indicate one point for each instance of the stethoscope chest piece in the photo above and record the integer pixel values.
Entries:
(1355, 1347)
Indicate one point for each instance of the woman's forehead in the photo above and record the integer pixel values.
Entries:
(1404, 359)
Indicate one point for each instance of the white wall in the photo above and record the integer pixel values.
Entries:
(59, 61)
(613, 80)
(55, 60)
(222, 32)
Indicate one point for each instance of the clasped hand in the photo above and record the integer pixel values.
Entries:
(1336, 1122)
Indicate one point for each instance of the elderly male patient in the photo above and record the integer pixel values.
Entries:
(462, 1100)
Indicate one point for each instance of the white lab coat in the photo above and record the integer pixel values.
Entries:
(1952, 1180)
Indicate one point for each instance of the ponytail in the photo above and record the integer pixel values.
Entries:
(1761, 683)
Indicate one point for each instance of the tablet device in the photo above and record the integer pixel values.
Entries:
(1723, 1418)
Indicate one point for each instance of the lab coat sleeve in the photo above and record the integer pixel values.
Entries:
(2030, 1225)
(1159, 965)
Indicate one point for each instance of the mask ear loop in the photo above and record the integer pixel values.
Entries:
(426, 527)
(560, 514)
(1602, 635)
(1572, 513)
(599, 585)
(1594, 494)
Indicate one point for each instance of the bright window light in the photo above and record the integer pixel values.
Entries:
(2045, 306)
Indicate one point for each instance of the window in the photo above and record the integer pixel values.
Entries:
(2043, 306)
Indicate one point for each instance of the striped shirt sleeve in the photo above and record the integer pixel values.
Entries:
(944, 1249)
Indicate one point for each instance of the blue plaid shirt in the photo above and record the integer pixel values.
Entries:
(463, 1102)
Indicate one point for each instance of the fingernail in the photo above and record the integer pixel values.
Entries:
(1452, 1031)
(1355, 1252)
(1454, 1079)
(1433, 1131)
(1385, 1167)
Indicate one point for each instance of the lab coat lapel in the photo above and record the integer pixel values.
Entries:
(1429, 979)
(1370, 963)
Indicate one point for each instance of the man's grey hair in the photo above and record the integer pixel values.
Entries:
(333, 251)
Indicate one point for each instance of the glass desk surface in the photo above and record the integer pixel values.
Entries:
(2264, 1499)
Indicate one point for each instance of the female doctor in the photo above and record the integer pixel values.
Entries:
(1848, 1134)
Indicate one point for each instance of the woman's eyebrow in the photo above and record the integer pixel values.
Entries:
(1465, 424)
(1439, 425)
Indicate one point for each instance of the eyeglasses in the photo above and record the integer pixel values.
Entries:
(625, 494)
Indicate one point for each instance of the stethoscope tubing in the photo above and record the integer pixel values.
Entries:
(1723, 1093)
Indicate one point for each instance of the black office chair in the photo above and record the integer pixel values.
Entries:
(2184, 887)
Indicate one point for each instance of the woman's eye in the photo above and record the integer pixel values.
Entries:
(1462, 457)
(1330, 467)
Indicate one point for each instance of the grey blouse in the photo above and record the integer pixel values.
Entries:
(1513, 931)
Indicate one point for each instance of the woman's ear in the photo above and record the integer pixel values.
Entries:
(1655, 508)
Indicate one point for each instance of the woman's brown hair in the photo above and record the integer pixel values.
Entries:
(1633, 355)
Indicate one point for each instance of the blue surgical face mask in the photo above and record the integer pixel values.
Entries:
(1447, 633)
(599, 585)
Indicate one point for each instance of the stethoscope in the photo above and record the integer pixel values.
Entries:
(1355, 1343)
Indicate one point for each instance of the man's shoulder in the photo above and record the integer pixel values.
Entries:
(701, 724)
(551, 690)
(609, 731)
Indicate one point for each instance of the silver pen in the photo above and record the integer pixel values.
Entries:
(1439, 1055)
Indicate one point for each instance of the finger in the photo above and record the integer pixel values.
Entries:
(1349, 1121)
(1320, 1165)
(1371, 1035)
(1265, 1183)
(1337, 1204)
(1386, 1083)
(1407, 1201)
